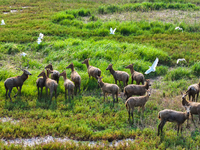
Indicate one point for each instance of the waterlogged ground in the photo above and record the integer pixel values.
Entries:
(31, 142)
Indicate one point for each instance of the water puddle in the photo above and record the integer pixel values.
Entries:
(13, 11)
(6, 12)
(47, 139)
(7, 119)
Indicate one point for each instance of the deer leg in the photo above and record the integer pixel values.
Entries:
(193, 97)
(129, 114)
(55, 92)
(104, 96)
(69, 94)
(197, 96)
(46, 91)
(51, 93)
(72, 94)
(9, 94)
(113, 95)
(142, 82)
(58, 80)
(117, 96)
(6, 93)
(41, 92)
(38, 90)
(79, 88)
(65, 93)
(115, 81)
(132, 113)
(199, 116)
(17, 91)
(178, 128)
(143, 108)
(189, 96)
(161, 125)
(192, 120)
(76, 89)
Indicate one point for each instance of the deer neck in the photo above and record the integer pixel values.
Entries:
(132, 70)
(101, 84)
(185, 102)
(112, 71)
(24, 77)
(45, 76)
(186, 115)
(87, 64)
(64, 77)
(147, 86)
(51, 68)
(72, 69)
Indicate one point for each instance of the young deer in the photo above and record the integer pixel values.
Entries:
(173, 116)
(75, 77)
(49, 83)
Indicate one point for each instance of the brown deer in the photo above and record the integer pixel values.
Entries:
(137, 76)
(16, 82)
(55, 75)
(49, 83)
(75, 77)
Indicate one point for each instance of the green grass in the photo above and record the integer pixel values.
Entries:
(76, 30)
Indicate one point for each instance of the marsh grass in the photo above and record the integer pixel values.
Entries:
(72, 35)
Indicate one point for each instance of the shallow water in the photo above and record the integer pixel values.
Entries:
(47, 139)
(7, 119)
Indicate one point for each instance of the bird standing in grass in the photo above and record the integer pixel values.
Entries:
(2, 22)
(180, 59)
(112, 31)
(178, 28)
(40, 38)
(153, 67)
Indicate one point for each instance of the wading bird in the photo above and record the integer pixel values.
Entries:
(180, 59)
(2, 22)
(40, 38)
(178, 28)
(112, 31)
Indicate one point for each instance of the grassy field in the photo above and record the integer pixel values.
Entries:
(76, 30)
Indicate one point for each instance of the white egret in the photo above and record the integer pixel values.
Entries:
(153, 67)
(178, 28)
(41, 35)
(23, 54)
(2, 22)
(180, 59)
(112, 31)
(39, 40)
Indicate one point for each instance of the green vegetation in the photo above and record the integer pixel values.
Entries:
(76, 30)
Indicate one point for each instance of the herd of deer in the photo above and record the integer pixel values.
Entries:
(129, 90)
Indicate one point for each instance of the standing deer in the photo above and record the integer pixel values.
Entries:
(16, 82)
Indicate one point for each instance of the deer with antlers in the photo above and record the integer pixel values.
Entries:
(16, 81)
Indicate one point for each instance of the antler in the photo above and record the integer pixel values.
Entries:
(19, 67)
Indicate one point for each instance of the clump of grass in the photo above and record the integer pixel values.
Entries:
(196, 69)
(179, 73)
